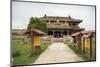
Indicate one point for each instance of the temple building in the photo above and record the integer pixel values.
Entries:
(61, 26)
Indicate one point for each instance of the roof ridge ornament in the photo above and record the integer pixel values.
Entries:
(69, 17)
(45, 15)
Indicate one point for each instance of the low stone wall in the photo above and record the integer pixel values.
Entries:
(67, 39)
(51, 39)
(46, 39)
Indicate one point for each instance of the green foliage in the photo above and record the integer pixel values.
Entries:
(36, 53)
(38, 24)
(44, 46)
(79, 52)
(16, 53)
(22, 53)
(94, 49)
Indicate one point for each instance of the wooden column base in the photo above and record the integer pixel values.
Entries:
(37, 48)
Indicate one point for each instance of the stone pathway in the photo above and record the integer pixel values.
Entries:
(56, 53)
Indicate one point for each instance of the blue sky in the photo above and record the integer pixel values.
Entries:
(22, 11)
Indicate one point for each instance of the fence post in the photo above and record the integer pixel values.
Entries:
(83, 44)
(80, 41)
(32, 36)
(90, 47)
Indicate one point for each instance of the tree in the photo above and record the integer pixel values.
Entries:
(37, 24)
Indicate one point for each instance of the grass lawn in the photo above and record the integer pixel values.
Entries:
(94, 49)
(22, 53)
(79, 51)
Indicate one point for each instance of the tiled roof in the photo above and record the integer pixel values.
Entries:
(51, 26)
(35, 31)
(18, 31)
(38, 31)
(60, 18)
(85, 33)
(75, 34)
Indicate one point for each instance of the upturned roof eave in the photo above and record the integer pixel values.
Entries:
(65, 19)
(35, 31)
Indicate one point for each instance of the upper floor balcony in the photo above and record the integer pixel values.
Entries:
(58, 25)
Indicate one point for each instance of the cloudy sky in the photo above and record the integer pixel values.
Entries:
(22, 11)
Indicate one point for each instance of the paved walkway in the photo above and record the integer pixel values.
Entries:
(56, 53)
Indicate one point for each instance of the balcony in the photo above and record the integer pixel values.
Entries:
(75, 27)
(57, 25)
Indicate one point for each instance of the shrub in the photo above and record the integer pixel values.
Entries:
(16, 53)
(36, 53)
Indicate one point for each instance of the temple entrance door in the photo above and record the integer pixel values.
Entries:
(57, 34)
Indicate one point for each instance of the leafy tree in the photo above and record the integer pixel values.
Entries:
(37, 24)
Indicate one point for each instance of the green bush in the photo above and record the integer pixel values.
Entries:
(36, 53)
(16, 53)
(76, 49)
